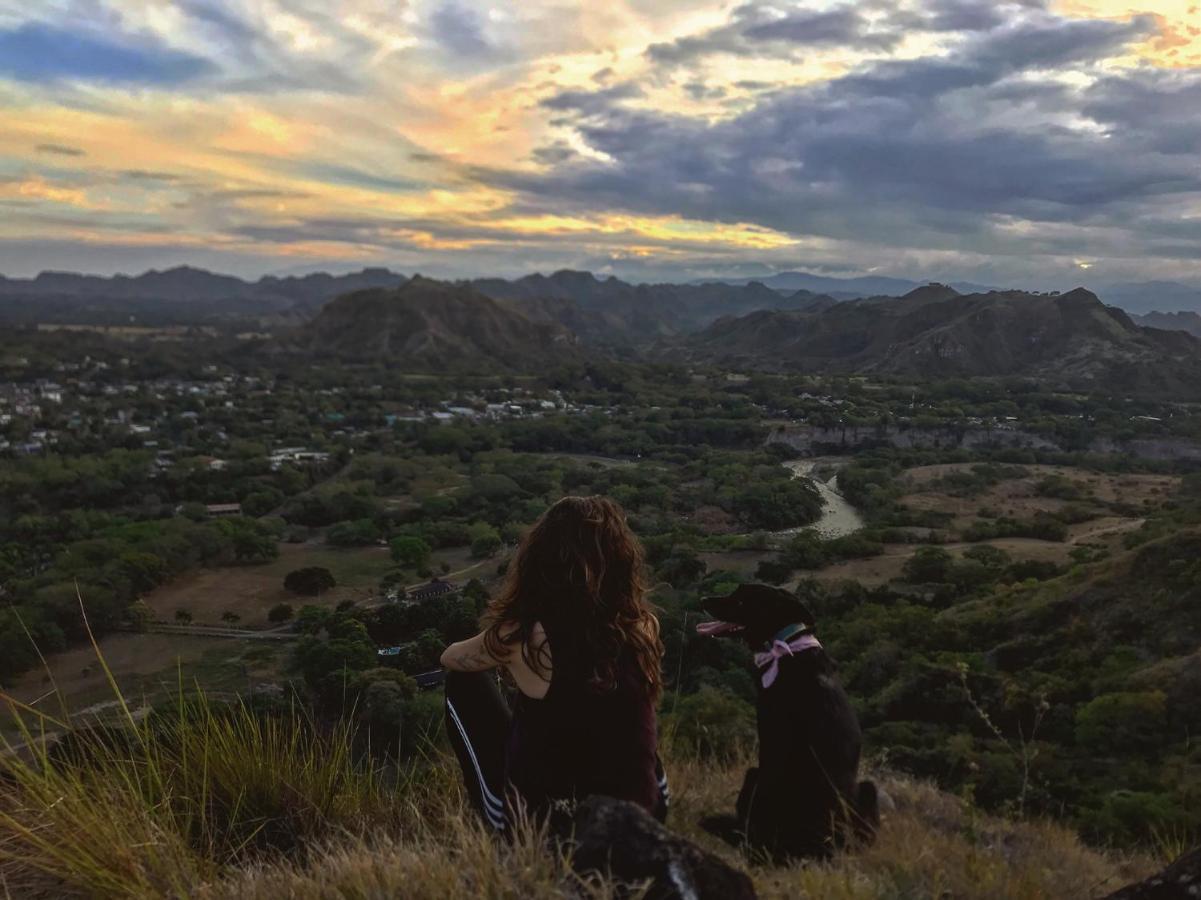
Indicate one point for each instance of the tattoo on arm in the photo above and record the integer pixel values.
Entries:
(475, 659)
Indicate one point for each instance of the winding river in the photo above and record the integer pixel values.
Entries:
(838, 517)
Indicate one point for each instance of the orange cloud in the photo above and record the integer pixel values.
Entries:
(1177, 42)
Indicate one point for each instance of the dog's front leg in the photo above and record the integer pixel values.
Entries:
(746, 798)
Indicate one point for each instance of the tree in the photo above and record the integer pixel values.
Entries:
(230, 617)
(410, 551)
(261, 502)
(312, 619)
(1126, 721)
(682, 568)
(928, 565)
(485, 539)
(475, 592)
(279, 613)
(183, 617)
(138, 615)
(309, 581)
(358, 533)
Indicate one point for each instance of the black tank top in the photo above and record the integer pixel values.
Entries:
(580, 740)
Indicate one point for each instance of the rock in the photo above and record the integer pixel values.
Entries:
(621, 839)
(1179, 881)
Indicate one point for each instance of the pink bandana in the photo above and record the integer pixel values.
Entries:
(770, 659)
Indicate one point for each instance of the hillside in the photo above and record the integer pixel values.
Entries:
(431, 324)
(932, 845)
(1171, 321)
(934, 332)
(292, 813)
(613, 311)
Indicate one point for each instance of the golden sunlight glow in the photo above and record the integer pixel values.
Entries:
(1177, 43)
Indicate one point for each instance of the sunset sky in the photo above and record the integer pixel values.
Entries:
(1032, 143)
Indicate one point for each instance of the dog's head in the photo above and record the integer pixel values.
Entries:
(755, 613)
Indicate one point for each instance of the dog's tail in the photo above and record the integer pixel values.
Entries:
(867, 811)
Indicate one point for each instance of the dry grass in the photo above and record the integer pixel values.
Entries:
(932, 845)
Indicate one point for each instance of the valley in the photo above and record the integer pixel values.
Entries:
(261, 516)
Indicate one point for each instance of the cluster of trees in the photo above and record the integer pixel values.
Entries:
(343, 673)
(108, 571)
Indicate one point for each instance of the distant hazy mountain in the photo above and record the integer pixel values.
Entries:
(181, 293)
(1153, 296)
(427, 324)
(936, 332)
(1174, 321)
(852, 288)
(610, 310)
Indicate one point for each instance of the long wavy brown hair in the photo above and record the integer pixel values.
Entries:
(579, 568)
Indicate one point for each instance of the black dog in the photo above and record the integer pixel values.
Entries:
(805, 798)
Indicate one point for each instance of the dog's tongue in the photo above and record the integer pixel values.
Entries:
(715, 628)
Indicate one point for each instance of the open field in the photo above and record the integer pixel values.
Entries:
(1019, 498)
(150, 665)
(147, 668)
(251, 591)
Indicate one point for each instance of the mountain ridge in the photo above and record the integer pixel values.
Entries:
(431, 324)
(936, 332)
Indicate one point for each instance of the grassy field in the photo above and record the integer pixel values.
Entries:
(1019, 498)
(149, 665)
(251, 591)
(147, 668)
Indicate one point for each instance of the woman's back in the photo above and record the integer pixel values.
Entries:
(582, 738)
(571, 619)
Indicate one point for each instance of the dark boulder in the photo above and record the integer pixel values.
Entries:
(1179, 881)
(618, 838)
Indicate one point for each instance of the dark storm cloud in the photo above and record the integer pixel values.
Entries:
(753, 28)
(954, 15)
(586, 103)
(945, 152)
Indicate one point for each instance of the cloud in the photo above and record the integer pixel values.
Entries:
(949, 138)
(978, 150)
(60, 150)
(592, 102)
(755, 29)
(458, 28)
(39, 52)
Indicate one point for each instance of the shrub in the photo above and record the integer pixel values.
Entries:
(309, 581)
(1124, 721)
(279, 613)
(928, 565)
(712, 724)
(410, 551)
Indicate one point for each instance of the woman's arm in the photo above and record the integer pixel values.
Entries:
(470, 656)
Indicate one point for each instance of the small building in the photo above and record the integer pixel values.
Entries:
(222, 510)
(436, 588)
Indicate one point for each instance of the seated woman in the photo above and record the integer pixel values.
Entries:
(573, 629)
